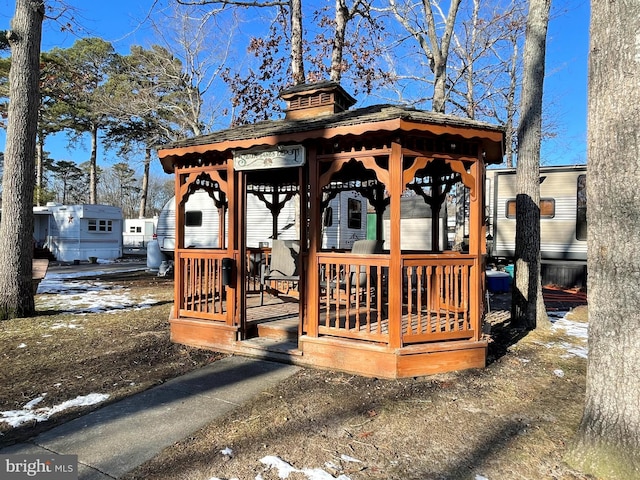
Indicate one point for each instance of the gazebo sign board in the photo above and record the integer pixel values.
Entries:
(283, 156)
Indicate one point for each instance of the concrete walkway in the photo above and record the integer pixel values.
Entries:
(115, 439)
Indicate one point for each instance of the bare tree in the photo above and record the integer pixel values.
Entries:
(434, 47)
(120, 187)
(608, 440)
(485, 66)
(354, 40)
(527, 302)
(294, 8)
(16, 226)
(202, 42)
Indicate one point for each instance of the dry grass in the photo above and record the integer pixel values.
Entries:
(65, 355)
(511, 420)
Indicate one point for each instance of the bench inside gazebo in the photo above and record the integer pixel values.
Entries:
(390, 312)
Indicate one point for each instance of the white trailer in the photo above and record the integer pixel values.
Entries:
(563, 221)
(415, 226)
(79, 232)
(138, 232)
(345, 221)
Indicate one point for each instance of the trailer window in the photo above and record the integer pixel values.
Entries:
(547, 208)
(102, 226)
(355, 213)
(135, 229)
(193, 218)
(581, 210)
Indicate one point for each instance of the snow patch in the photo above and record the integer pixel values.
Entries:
(64, 292)
(15, 418)
(284, 470)
(575, 329)
(579, 330)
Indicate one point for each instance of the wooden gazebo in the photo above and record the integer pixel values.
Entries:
(391, 313)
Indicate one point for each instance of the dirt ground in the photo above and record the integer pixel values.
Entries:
(64, 353)
(511, 420)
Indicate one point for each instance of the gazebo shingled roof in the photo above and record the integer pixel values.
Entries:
(376, 117)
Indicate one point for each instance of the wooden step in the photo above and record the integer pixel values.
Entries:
(286, 329)
(262, 346)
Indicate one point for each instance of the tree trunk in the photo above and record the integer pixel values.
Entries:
(93, 167)
(341, 19)
(608, 441)
(144, 191)
(16, 226)
(440, 53)
(527, 302)
(297, 59)
(511, 104)
(39, 167)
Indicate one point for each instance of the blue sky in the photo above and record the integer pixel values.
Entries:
(118, 21)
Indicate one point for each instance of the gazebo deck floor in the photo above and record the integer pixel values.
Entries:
(281, 314)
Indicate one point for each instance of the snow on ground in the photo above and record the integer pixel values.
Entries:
(67, 293)
(29, 413)
(579, 330)
(285, 469)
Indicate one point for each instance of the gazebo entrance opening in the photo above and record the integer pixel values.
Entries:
(273, 254)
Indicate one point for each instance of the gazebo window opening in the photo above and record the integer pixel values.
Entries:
(276, 189)
(202, 217)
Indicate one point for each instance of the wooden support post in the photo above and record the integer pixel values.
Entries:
(436, 206)
(312, 289)
(179, 280)
(476, 241)
(240, 186)
(395, 260)
(304, 250)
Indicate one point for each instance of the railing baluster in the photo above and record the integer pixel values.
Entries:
(409, 274)
(379, 294)
(440, 307)
(351, 281)
(201, 282)
(419, 272)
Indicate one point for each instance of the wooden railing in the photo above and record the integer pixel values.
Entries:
(352, 302)
(199, 289)
(436, 295)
